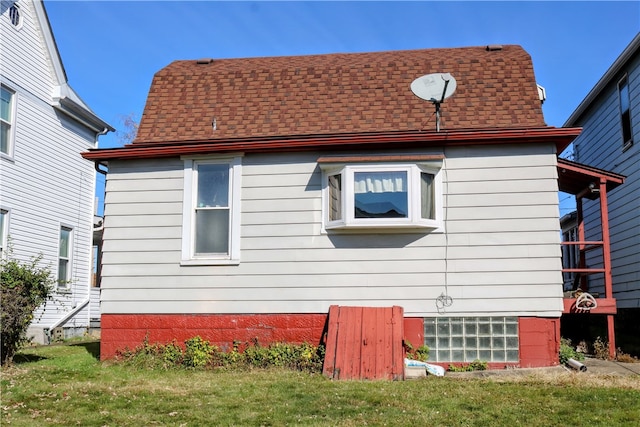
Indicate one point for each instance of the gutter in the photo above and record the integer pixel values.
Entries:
(561, 137)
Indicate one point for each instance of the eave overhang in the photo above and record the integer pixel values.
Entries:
(560, 137)
(577, 178)
(79, 113)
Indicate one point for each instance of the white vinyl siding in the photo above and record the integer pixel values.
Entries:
(503, 262)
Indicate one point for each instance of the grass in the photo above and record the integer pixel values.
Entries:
(65, 385)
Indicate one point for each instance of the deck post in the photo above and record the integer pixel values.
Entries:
(606, 248)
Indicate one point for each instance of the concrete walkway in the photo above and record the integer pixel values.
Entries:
(611, 367)
(594, 366)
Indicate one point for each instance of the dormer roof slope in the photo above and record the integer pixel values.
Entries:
(338, 94)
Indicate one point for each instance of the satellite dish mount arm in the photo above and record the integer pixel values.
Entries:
(437, 104)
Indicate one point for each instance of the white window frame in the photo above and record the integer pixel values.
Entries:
(15, 16)
(10, 123)
(413, 221)
(232, 257)
(68, 258)
(4, 231)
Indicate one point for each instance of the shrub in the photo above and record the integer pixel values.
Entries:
(24, 288)
(421, 353)
(476, 365)
(198, 352)
(601, 349)
(567, 351)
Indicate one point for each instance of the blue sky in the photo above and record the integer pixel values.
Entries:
(111, 49)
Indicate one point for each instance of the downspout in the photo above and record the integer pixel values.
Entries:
(96, 166)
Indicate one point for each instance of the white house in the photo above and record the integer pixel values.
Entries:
(46, 187)
(260, 192)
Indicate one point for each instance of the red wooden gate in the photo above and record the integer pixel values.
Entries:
(365, 343)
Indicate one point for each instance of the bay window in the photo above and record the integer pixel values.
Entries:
(381, 195)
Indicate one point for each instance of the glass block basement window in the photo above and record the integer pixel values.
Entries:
(465, 339)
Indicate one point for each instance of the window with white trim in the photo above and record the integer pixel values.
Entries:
(64, 257)
(382, 195)
(625, 112)
(4, 226)
(211, 211)
(7, 113)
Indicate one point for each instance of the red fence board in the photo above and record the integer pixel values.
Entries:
(365, 343)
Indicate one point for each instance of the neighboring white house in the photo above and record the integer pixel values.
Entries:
(610, 118)
(46, 187)
(260, 192)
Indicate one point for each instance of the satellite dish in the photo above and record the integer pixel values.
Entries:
(434, 87)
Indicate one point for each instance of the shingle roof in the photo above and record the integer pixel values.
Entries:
(338, 94)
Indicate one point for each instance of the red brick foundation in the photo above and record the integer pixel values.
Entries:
(539, 337)
(120, 331)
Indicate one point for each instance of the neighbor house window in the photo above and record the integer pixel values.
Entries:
(64, 257)
(382, 195)
(465, 339)
(625, 112)
(211, 211)
(15, 16)
(6, 120)
(4, 226)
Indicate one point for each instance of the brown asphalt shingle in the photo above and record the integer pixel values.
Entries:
(338, 94)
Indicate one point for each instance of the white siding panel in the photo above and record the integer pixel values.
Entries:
(540, 307)
(503, 212)
(121, 221)
(199, 279)
(501, 255)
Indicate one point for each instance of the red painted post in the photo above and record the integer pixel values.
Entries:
(606, 249)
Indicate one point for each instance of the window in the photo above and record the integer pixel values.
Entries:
(6, 120)
(64, 257)
(625, 112)
(378, 195)
(15, 16)
(4, 226)
(465, 339)
(211, 215)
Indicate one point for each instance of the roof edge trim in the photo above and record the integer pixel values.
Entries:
(561, 137)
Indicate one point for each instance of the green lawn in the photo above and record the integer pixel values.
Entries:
(66, 385)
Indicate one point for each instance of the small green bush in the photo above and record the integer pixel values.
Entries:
(198, 352)
(476, 365)
(421, 353)
(568, 351)
(25, 286)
